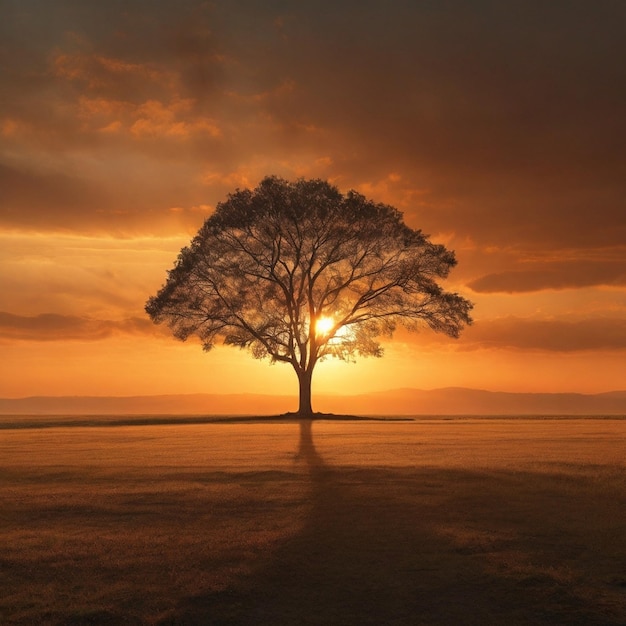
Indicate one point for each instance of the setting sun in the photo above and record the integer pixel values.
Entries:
(324, 325)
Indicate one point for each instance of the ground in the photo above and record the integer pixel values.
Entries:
(473, 521)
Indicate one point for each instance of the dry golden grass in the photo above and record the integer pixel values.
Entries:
(430, 522)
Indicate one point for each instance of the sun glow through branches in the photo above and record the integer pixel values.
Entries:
(324, 325)
(324, 330)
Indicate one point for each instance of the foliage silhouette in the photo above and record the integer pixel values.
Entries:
(297, 272)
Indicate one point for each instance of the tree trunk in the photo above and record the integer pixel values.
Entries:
(304, 405)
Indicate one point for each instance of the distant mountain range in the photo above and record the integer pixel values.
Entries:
(447, 401)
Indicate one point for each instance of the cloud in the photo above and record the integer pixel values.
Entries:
(514, 140)
(509, 334)
(152, 118)
(103, 278)
(54, 327)
(31, 198)
(98, 73)
(558, 335)
(570, 275)
(498, 121)
(131, 196)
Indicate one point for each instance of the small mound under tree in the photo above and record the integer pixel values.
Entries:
(297, 272)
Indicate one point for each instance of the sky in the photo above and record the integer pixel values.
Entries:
(498, 128)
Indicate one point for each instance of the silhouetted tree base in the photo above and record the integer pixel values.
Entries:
(304, 415)
(328, 416)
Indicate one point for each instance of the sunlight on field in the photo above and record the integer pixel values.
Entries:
(241, 522)
(471, 442)
(475, 443)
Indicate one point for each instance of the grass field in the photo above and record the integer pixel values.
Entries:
(463, 521)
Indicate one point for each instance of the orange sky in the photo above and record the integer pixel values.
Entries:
(498, 128)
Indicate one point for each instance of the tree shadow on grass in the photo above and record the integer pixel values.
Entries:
(433, 546)
(307, 454)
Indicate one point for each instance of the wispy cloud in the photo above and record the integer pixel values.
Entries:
(556, 275)
(55, 327)
(553, 335)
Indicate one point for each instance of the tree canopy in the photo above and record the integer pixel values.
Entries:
(297, 271)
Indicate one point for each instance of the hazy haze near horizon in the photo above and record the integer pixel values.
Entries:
(409, 402)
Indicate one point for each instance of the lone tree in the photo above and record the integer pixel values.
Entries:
(297, 271)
